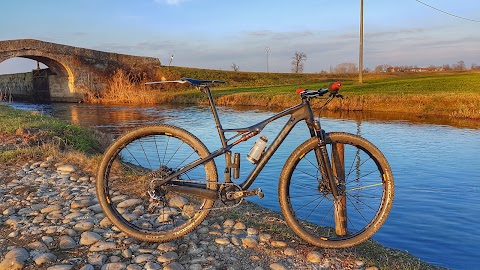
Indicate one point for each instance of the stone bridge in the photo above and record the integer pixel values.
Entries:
(71, 70)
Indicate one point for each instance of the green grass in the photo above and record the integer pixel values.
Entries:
(73, 136)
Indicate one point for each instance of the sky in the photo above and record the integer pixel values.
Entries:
(216, 34)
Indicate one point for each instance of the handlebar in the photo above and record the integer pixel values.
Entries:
(332, 89)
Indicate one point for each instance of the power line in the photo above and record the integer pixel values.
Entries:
(450, 14)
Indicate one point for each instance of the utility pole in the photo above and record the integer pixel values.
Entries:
(267, 49)
(360, 58)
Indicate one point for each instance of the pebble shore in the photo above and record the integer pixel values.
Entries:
(50, 219)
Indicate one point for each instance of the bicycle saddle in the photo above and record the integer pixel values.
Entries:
(196, 82)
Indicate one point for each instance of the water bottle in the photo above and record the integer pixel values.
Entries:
(257, 149)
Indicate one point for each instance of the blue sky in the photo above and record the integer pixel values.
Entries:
(214, 34)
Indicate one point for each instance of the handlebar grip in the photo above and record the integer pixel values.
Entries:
(300, 90)
(334, 87)
(322, 91)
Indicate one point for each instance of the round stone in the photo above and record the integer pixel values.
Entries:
(51, 208)
(229, 223)
(66, 168)
(45, 258)
(97, 259)
(174, 266)
(89, 238)
(114, 266)
(143, 258)
(264, 237)
(37, 245)
(80, 204)
(252, 231)
(239, 226)
(170, 246)
(83, 226)
(314, 257)
(203, 230)
(250, 242)
(177, 201)
(289, 252)
(168, 257)
(278, 244)
(8, 211)
(102, 246)
(129, 203)
(222, 241)
(15, 259)
(235, 241)
(60, 267)
(66, 242)
(277, 266)
(152, 266)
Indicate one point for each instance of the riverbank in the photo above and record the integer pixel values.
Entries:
(454, 94)
(49, 216)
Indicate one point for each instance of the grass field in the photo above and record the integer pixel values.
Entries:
(453, 94)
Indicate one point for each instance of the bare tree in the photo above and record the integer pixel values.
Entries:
(297, 62)
(382, 68)
(459, 66)
(346, 68)
(235, 67)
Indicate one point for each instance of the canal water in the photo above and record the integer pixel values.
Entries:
(435, 163)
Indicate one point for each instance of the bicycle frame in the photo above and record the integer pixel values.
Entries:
(302, 111)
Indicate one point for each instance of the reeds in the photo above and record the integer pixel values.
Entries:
(123, 88)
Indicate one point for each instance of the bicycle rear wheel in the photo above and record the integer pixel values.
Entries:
(364, 182)
(128, 186)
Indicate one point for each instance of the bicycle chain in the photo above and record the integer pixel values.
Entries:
(219, 194)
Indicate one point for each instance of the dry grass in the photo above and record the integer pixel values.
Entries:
(441, 104)
(123, 88)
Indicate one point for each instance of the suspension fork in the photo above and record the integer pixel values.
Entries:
(323, 159)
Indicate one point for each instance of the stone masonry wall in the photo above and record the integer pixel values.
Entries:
(19, 84)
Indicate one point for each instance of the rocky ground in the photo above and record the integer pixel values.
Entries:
(50, 219)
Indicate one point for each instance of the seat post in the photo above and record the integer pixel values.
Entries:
(215, 115)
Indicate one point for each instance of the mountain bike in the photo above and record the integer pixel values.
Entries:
(158, 183)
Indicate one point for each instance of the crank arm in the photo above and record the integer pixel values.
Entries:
(245, 193)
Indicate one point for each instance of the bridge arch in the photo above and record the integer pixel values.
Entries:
(57, 68)
(75, 70)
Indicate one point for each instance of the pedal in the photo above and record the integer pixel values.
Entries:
(245, 193)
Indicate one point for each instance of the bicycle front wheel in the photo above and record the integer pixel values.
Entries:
(364, 182)
(130, 191)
